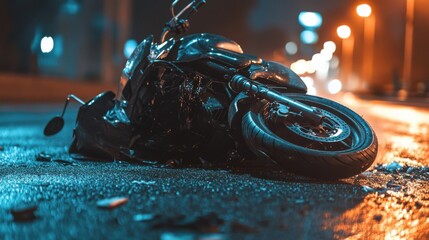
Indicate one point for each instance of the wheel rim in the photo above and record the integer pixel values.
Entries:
(338, 132)
(332, 129)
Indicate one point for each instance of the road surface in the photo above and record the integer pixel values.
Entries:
(388, 201)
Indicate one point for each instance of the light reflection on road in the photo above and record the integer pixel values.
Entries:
(385, 216)
(397, 206)
(403, 131)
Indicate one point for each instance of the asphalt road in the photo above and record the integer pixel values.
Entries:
(389, 201)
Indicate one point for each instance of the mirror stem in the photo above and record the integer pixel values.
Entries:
(71, 96)
(75, 98)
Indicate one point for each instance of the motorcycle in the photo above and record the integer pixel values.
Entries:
(200, 97)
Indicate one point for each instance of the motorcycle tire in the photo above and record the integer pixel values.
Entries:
(298, 148)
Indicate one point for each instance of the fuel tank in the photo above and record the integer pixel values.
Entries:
(222, 53)
(211, 47)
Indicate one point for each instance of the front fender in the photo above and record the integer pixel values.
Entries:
(94, 135)
(132, 70)
(238, 107)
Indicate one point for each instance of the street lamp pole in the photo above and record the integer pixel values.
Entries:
(408, 49)
(347, 46)
(365, 11)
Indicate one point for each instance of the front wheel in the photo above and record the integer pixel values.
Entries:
(342, 146)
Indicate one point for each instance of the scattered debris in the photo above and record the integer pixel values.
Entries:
(393, 167)
(112, 202)
(367, 188)
(299, 201)
(24, 213)
(144, 217)
(362, 176)
(378, 217)
(419, 204)
(209, 223)
(240, 227)
(43, 157)
(410, 170)
(391, 184)
(174, 163)
(143, 182)
(177, 236)
(65, 162)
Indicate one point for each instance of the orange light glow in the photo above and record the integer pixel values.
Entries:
(407, 144)
(381, 216)
(363, 10)
(330, 46)
(344, 31)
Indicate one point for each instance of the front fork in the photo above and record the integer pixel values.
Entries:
(241, 83)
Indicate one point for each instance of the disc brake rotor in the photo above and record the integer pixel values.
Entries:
(332, 129)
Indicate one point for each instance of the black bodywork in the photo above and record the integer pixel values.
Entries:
(175, 101)
(200, 99)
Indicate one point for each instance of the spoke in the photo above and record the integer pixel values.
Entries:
(329, 125)
(345, 144)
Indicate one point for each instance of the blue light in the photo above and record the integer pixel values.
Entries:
(47, 44)
(291, 48)
(310, 19)
(309, 37)
(71, 7)
(129, 47)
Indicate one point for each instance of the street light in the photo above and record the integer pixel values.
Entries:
(330, 46)
(344, 31)
(311, 20)
(364, 10)
(47, 44)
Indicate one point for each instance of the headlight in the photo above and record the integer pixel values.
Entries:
(136, 57)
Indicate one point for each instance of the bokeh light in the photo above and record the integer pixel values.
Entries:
(291, 48)
(309, 37)
(344, 31)
(326, 55)
(363, 10)
(310, 19)
(317, 59)
(330, 46)
(299, 67)
(47, 44)
(309, 82)
(310, 67)
(334, 63)
(129, 47)
(334, 86)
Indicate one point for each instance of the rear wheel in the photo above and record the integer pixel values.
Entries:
(343, 145)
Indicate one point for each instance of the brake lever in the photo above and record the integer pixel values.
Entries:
(178, 25)
(190, 5)
(198, 5)
(172, 8)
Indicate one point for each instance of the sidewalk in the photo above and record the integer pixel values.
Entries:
(422, 102)
(15, 88)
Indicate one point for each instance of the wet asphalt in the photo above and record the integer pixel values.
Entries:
(62, 194)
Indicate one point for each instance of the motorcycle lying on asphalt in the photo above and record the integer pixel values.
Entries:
(199, 96)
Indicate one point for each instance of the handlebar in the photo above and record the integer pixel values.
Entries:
(195, 5)
(198, 5)
(178, 25)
